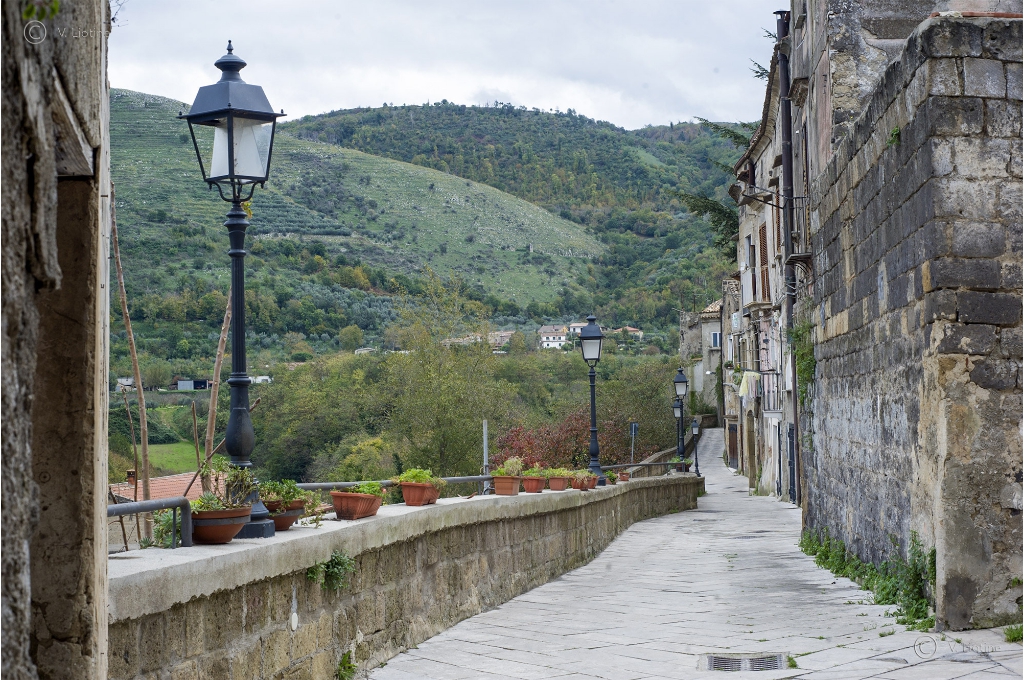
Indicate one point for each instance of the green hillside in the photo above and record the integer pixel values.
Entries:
(391, 215)
(338, 232)
(560, 160)
(622, 185)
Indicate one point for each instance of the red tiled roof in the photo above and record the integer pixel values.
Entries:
(162, 487)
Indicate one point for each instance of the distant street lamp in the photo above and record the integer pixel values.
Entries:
(696, 437)
(681, 385)
(590, 346)
(677, 411)
(235, 161)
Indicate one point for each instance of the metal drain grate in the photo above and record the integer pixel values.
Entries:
(741, 662)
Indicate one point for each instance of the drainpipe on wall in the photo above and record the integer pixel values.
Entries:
(786, 123)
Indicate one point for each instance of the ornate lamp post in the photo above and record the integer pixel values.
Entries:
(590, 346)
(681, 385)
(677, 411)
(696, 436)
(235, 161)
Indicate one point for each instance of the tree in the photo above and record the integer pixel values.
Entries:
(156, 373)
(517, 343)
(725, 221)
(439, 393)
(351, 338)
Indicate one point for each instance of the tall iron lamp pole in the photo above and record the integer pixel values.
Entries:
(680, 384)
(591, 338)
(234, 159)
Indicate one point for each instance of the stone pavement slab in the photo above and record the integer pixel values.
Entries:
(726, 577)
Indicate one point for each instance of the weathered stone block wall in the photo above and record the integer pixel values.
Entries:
(419, 572)
(916, 229)
(55, 213)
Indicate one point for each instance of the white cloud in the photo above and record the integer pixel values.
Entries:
(631, 63)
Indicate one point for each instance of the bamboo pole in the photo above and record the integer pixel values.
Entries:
(211, 418)
(135, 454)
(143, 429)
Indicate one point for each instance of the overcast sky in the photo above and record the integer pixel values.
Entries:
(631, 62)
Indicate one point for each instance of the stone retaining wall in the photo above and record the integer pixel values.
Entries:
(916, 231)
(226, 611)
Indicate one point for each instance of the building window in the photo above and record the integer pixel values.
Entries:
(716, 340)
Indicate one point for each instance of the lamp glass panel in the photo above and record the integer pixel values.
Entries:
(251, 148)
(677, 411)
(681, 389)
(217, 164)
(696, 429)
(591, 349)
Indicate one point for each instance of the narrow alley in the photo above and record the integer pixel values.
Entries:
(727, 578)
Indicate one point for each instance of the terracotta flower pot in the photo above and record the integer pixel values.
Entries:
(559, 483)
(533, 484)
(418, 493)
(506, 485)
(432, 495)
(623, 476)
(686, 468)
(284, 519)
(218, 526)
(582, 485)
(348, 505)
(593, 483)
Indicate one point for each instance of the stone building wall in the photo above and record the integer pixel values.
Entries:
(55, 185)
(916, 233)
(229, 615)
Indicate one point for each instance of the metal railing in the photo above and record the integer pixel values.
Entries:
(173, 504)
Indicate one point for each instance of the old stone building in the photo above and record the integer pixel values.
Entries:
(905, 129)
(55, 215)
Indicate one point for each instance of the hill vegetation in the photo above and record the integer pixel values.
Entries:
(541, 217)
(624, 186)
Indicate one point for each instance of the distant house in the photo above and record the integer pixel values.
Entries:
(196, 384)
(634, 333)
(498, 339)
(262, 379)
(553, 336)
(364, 350)
(576, 327)
(127, 384)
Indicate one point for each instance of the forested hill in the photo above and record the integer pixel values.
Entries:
(558, 160)
(620, 184)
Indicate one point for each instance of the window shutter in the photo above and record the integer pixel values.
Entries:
(763, 252)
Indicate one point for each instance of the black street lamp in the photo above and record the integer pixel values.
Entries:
(677, 411)
(681, 385)
(590, 346)
(696, 437)
(235, 161)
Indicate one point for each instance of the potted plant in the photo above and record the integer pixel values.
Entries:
(558, 478)
(419, 487)
(623, 476)
(356, 502)
(687, 462)
(217, 516)
(533, 480)
(507, 477)
(286, 502)
(583, 480)
(611, 477)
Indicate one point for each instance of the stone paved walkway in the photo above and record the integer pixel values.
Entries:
(727, 577)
